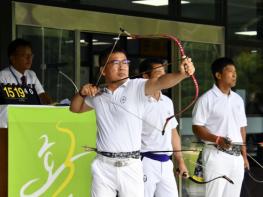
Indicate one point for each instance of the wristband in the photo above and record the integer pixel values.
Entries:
(217, 139)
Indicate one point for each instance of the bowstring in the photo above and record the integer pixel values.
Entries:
(107, 61)
(104, 66)
(255, 161)
(183, 56)
(122, 31)
(136, 75)
(249, 172)
(132, 113)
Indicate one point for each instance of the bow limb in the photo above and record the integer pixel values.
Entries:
(102, 86)
(252, 176)
(183, 56)
(104, 66)
(255, 161)
(250, 173)
(177, 41)
(199, 180)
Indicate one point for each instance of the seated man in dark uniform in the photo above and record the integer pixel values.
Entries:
(19, 74)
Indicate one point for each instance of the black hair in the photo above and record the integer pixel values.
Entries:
(146, 65)
(19, 42)
(219, 64)
(105, 54)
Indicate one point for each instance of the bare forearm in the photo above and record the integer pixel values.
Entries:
(176, 143)
(163, 82)
(45, 99)
(243, 134)
(203, 133)
(78, 104)
(244, 148)
(186, 69)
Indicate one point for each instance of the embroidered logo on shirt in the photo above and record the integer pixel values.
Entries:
(144, 178)
(123, 99)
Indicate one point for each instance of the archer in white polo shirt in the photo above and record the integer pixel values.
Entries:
(219, 117)
(158, 168)
(119, 108)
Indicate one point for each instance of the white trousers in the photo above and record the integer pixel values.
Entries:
(108, 179)
(218, 163)
(159, 180)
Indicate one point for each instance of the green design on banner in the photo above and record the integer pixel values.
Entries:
(45, 153)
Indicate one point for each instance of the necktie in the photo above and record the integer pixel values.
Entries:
(23, 80)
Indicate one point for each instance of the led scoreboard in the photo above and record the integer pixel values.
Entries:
(18, 94)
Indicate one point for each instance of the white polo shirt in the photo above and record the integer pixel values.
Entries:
(155, 115)
(221, 114)
(119, 116)
(6, 76)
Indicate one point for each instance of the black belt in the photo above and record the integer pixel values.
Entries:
(121, 155)
(233, 150)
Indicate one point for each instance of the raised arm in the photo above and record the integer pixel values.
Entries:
(171, 79)
(78, 104)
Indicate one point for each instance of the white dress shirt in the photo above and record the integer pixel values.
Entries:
(12, 76)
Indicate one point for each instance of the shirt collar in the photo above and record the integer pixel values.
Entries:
(152, 99)
(218, 92)
(17, 73)
(125, 83)
(122, 85)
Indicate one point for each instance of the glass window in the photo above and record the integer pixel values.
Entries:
(245, 41)
(250, 70)
(245, 46)
(53, 59)
(206, 11)
(138, 6)
(93, 44)
(202, 55)
(245, 20)
(144, 6)
(199, 9)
